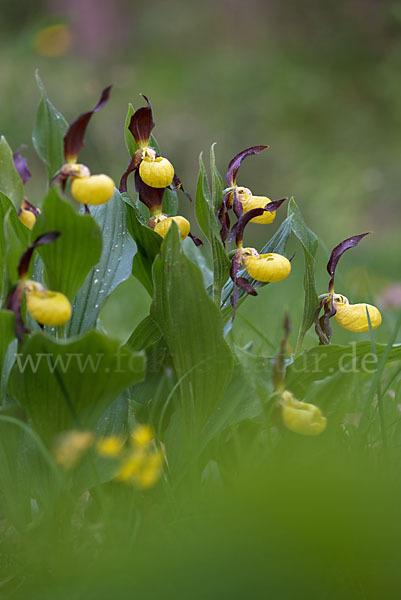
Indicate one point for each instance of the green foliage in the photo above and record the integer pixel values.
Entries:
(50, 128)
(68, 260)
(192, 328)
(309, 244)
(205, 208)
(148, 243)
(10, 181)
(114, 266)
(67, 385)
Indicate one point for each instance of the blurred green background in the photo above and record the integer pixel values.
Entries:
(318, 82)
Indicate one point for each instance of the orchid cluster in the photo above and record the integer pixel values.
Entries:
(153, 174)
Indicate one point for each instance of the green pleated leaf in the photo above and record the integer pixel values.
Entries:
(13, 242)
(64, 385)
(48, 133)
(192, 329)
(14, 238)
(7, 336)
(323, 361)
(148, 244)
(206, 218)
(10, 182)
(309, 244)
(114, 266)
(145, 334)
(68, 260)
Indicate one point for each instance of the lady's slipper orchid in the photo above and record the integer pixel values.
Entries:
(85, 188)
(160, 222)
(163, 224)
(27, 213)
(353, 317)
(155, 171)
(46, 307)
(241, 199)
(264, 268)
(301, 417)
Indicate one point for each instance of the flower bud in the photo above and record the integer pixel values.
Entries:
(266, 267)
(156, 171)
(95, 189)
(301, 417)
(46, 307)
(249, 201)
(164, 224)
(27, 217)
(353, 317)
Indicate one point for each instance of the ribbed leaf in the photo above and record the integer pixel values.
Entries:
(65, 385)
(48, 133)
(192, 329)
(10, 182)
(147, 242)
(68, 260)
(323, 361)
(309, 244)
(7, 335)
(206, 218)
(114, 266)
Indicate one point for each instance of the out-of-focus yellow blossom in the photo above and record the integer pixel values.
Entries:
(142, 435)
(301, 417)
(110, 446)
(71, 446)
(141, 463)
(141, 467)
(53, 41)
(94, 189)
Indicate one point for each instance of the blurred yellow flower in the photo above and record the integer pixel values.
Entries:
(142, 435)
(71, 446)
(53, 41)
(110, 446)
(301, 417)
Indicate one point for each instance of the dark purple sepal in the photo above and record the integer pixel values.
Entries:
(14, 303)
(142, 123)
(132, 165)
(224, 220)
(178, 186)
(21, 165)
(235, 163)
(239, 282)
(237, 205)
(74, 138)
(238, 229)
(195, 239)
(246, 286)
(322, 323)
(339, 250)
(25, 261)
(151, 197)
